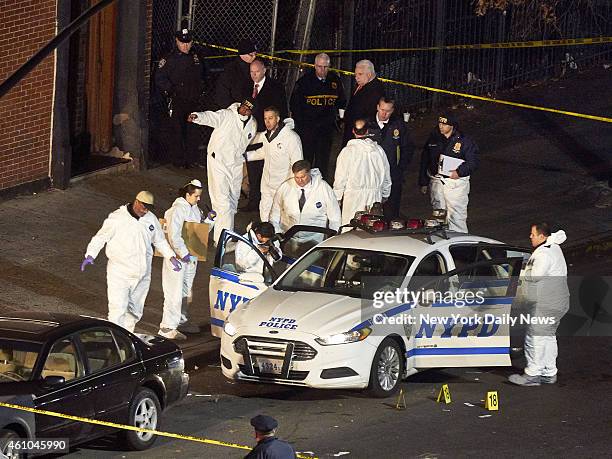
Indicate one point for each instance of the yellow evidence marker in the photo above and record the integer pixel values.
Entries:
(444, 394)
(492, 401)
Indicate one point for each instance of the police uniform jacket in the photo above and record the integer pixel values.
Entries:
(394, 139)
(272, 448)
(362, 105)
(316, 101)
(179, 75)
(234, 84)
(458, 145)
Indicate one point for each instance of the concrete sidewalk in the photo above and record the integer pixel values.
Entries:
(525, 176)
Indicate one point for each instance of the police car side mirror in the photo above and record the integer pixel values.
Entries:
(251, 278)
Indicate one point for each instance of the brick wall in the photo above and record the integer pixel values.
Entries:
(25, 112)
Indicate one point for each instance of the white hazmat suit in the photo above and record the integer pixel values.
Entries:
(546, 279)
(320, 209)
(248, 260)
(231, 135)
(362, 176)
(452, 195)
(177, 285)
(279, 151)
(129, 241)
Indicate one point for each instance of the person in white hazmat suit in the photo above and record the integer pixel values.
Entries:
(234, 129)
(177, 286)
(305, 199)
(281, 148)
(362, 173)
(548, 293)
(247, 259)
(129, 234)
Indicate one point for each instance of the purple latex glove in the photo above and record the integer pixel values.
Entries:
(189, 258)
(87, 261)
(176, 264)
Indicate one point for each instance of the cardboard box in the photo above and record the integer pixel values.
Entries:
(195, 236)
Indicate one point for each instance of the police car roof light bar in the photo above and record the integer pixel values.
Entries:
(438, 230)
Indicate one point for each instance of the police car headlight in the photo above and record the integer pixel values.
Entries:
(343, 338)
(229, 329)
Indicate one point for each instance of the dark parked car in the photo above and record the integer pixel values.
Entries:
(84, 367)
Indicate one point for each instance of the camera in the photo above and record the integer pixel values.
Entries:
(272, 250)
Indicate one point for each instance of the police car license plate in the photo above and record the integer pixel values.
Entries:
(272, 366)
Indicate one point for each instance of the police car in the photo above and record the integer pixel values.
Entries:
(373, 305)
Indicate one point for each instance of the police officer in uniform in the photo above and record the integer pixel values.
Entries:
(268, 446)
(179, 77)
(449, 186)
(315, 101)
(391, 134)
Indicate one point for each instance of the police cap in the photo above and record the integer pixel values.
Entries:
(264, 424)
(448, 118)
(246, 47)
(184, 35)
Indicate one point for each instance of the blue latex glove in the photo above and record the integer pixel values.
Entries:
(176, 264)
(189, 258)
(87, 261)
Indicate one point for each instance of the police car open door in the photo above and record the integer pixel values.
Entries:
(463, 318)
(230, 286)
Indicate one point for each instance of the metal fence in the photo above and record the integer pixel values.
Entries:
(363, 24)
(424, 23)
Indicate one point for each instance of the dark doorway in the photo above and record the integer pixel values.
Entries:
(90, 90)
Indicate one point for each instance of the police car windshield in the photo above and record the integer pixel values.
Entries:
(350, 272)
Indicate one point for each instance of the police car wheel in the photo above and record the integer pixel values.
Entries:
(387, 369)
(145, 412)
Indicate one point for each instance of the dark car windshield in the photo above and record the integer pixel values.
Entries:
(350, 272)
(17, 360)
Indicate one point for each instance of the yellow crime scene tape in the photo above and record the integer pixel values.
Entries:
(438, 90)
(126, 427)
(504, 45)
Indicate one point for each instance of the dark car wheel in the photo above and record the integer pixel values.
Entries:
(387, 369)
(145, 412)
(5, 437)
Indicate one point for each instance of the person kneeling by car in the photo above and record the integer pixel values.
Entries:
(248, 260)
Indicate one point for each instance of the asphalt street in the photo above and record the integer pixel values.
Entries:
(569, 419)
(529, 172)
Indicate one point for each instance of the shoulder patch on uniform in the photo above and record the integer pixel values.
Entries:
(162, 62)
(151, 227)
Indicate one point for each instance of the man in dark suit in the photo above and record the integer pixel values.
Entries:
(266, 92)
(391, 134)
(366, 95)
(234, 84)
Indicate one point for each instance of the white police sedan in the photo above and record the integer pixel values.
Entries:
(366, 308)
